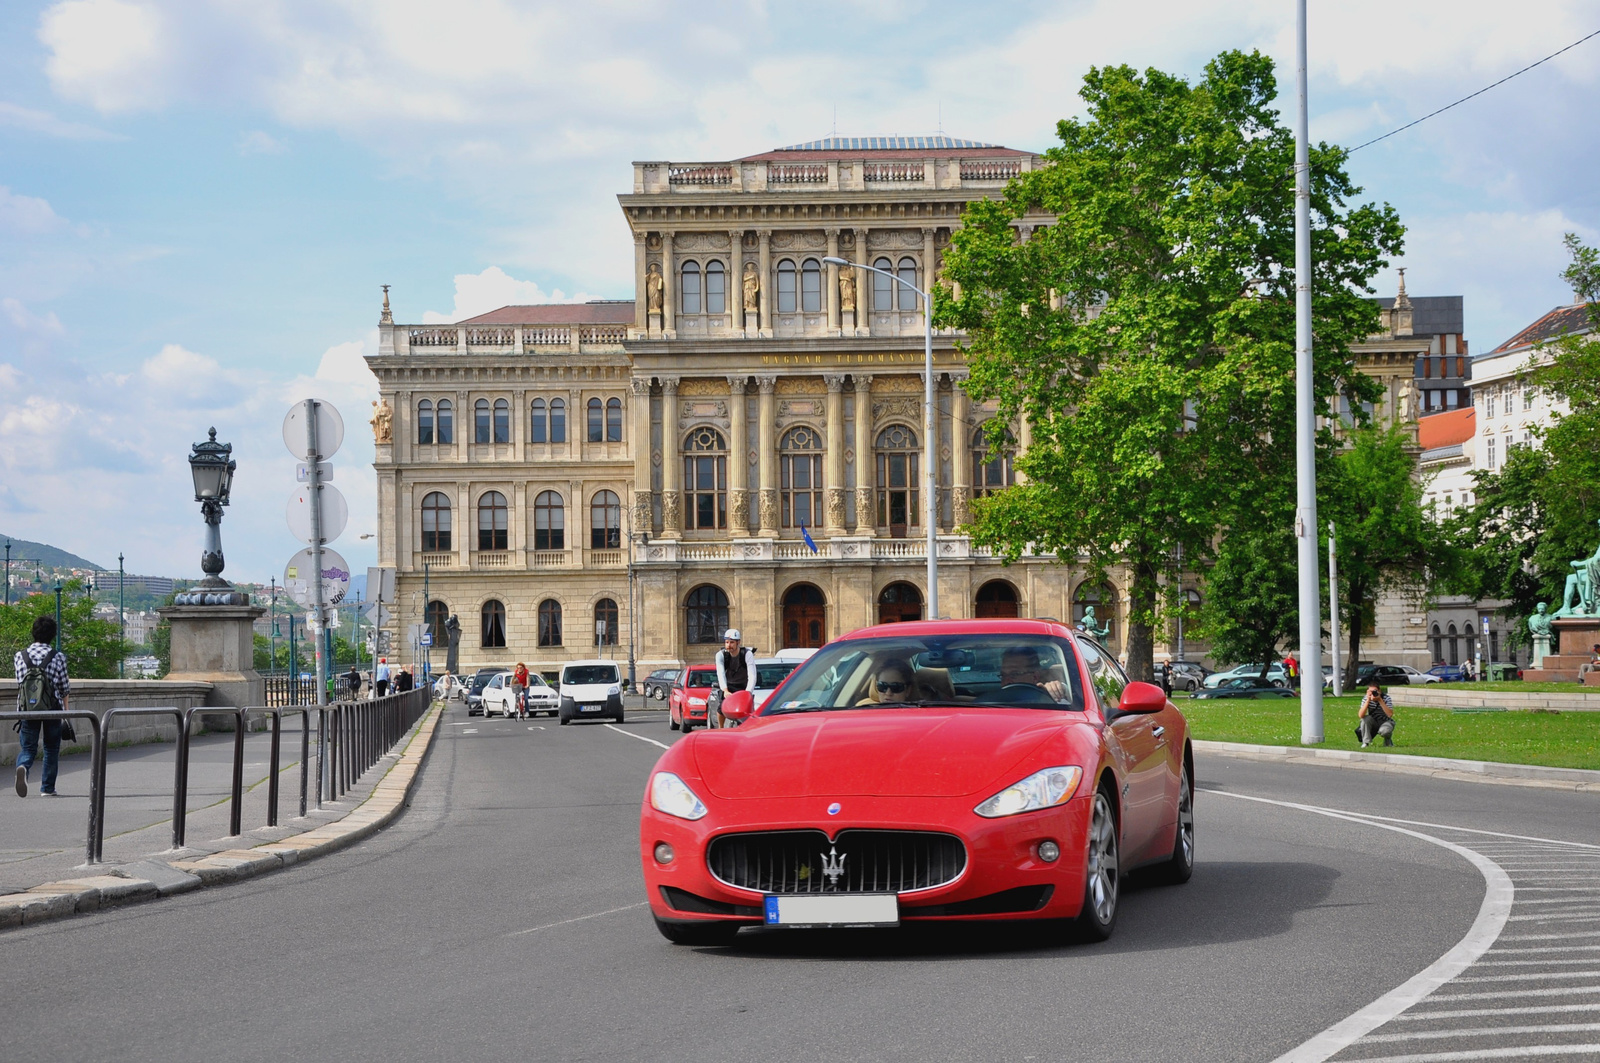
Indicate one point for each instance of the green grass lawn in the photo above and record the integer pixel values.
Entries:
(1557, 740)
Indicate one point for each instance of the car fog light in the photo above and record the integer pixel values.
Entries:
(1049, 852)
(663, 853)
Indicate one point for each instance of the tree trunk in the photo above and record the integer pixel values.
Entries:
(1357, 603)
(1141, 635)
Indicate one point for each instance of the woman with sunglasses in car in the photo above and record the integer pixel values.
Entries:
(893, 683)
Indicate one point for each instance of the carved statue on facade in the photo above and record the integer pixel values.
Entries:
(847, 289)
(382, 422)
(752, 288)
(642, 522)
(654, 288)
(769, 508)
(961, 505)
(1092, 626)
(1539, 628)
(1578, 597)
(671, 515)
(835, 507)
(1408, 402)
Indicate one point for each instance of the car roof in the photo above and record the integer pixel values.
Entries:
(590, 661)
(1001, 626)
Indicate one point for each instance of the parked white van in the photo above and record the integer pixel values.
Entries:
(590, 690)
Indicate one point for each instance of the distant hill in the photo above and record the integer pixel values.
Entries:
(48, 555)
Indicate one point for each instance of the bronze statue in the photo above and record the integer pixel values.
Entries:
(1092, 626)
(1578, 596)
(752, 289)
(654, 288)
(382, 422)
(1539, 628)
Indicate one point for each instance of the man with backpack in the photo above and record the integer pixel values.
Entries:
(736, 670)
(41, 687)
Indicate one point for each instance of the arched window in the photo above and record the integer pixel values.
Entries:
(538, 427)
(493, 625)
(1455, 644)
(613, 420)
(480, 421)
(502, 421)
(597, 431)
(689, 288)
(1438, 645)
(549, 622)
(705, 615)
(883, 285)
(447, 422)
(898, 602)
(425, 422)
(1104, 601)
(492, 521)
(990, 471)
(549, 522)
(811, 286)
(997, 598)
(716, 288)
(437, 613)
(558, 420)
(605, 521)
(605, 612)
(435, 521)
(800, 477)
(898, 483)
(705, 479)
(908, 275)
(786, 286)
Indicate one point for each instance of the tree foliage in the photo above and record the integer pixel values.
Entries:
(1252, 601)
(1147, 331)
(93, 646)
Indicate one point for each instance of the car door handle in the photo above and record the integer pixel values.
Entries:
(1158, 731)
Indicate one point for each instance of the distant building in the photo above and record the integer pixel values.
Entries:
(1508, 405)
(1446, 463)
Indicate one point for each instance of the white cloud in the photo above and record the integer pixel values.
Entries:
(27, 215)
(110, 54)
(257, 142)
(47, 124)
(478, 293)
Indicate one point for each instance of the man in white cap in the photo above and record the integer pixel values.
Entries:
(736, 670)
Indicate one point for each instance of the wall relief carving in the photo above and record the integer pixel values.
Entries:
(801, 385)
(671, 514)
(700, 242)
(799, 241)
(892, 239)
(769, 509)
(897, 410)
(898, 385)
(703, 386)
(835, 507)
(799, 408)
(738, 511)
(864, 511)
(703, 410)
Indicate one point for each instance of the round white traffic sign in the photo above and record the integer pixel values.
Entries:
(297, 576)
(335, 513)
(330, 431)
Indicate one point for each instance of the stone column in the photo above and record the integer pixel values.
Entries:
(833, 461)
(863, 286)
(464, 526)
(639, 301)
(768, 444)
(669, 294)
(961, 430)
(930, 265)
(765, 267)
(866, 466)
(671, 462)
(642, 521)
(833, 291)
(735, 282)
(738, 462)
(1024, 440)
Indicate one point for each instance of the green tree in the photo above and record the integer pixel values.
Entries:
(1252, 601)
(1386, 542)
(1147, 331)
(93, 646)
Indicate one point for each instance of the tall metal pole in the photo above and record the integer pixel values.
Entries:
(930, 453)
(313, 457)
(272, 639)
(122, 628)
(8, 571)
(1333, 607)
(1305, 524)
(58, 613)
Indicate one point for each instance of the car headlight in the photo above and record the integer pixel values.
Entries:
(697, 701)
(1042, 789)
(615, 689)
(669, 794)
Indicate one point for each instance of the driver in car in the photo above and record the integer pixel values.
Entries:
(1021, 665)
(893, 683)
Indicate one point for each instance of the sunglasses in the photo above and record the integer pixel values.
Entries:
(892, 688)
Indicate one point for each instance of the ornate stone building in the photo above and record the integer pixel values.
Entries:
(656, 465)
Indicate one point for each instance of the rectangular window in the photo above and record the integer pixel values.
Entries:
(558, 421)
(447, 423)
(1488, 406)
(1452, 398)
(715, 285)
(1527, 398)
(1488, 444)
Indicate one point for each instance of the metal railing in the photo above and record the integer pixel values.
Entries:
(352, 737)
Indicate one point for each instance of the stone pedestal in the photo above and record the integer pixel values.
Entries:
(752, 323)
(1578, 634)
(654, 324)
(215, 644)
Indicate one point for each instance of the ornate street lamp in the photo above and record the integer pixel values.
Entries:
(212, 466)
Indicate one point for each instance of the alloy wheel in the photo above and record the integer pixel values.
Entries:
(1103, 864)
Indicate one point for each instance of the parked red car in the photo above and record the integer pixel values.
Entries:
(935, 770)
(686, 703)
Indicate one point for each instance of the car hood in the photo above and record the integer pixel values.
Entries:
(879, 753)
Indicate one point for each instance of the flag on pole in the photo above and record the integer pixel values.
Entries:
(807, 537)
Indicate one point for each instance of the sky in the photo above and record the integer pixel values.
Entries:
(199, 200)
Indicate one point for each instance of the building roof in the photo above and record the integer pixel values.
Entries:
(1433, 315)
(1445, 429)
(882, 148)
(594, 312)
(1573, 318)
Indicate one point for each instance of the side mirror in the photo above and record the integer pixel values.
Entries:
(1142, 697)
(739, 705)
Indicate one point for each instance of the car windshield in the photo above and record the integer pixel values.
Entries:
(990, 669)
(770, 675)
(536, 680)
(587, 674)
(701, 677)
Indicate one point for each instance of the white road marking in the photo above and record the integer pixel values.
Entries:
(1552, 937)
(1530, 963)
(1489, 1053)
(537, 727)
(470, 731)
(1481, 1031)
(641, 738)
(1473, 1013)
(1539, 977)
(576, 919)
(1492, 914)
(1564, 991)
(1547, 948)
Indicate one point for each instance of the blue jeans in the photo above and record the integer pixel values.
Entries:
(29, 734)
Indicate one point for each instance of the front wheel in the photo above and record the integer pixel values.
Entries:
(1180, 865)
(709, 933)
(1099, 916)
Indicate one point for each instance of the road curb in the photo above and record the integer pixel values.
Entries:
(152, 878)
(1485, 771)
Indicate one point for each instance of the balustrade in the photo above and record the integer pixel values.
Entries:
(990, 169)
(797, 173)
(440, 560)
(605, 559)
(550, 558)
(699, 173)
(432, 337)
(491, 337)
(548, 336)
(894, 171)
(494, 559)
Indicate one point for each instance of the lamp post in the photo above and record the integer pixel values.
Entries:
(930, 450)
(212, 466)
(10, 559)
(122, 627)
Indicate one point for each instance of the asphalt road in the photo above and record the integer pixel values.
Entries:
(502, 918)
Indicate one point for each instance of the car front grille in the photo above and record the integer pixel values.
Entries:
(858, 861)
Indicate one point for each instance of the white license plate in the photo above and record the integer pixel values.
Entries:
(840, 909)
(590, 708)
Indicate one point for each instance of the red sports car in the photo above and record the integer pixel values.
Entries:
(686, 702)
(936, 770)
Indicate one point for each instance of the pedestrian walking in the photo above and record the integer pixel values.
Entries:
(1375, 718)
(1291, 667)
(519, 689)
(42, 686)
(380, 678)
(352, 682)
(736, 670)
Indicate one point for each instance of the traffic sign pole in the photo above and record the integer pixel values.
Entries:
(313, 460)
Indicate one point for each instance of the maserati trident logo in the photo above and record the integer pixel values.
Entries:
(833, 865)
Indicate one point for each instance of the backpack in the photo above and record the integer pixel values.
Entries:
(36, 693)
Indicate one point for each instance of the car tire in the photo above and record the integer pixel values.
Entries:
(661, 695)
(1180, 865)
(672, 725)
(718, 933)
(619, 717)
(1193, 685)
(565, 719)
(1103, 882)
